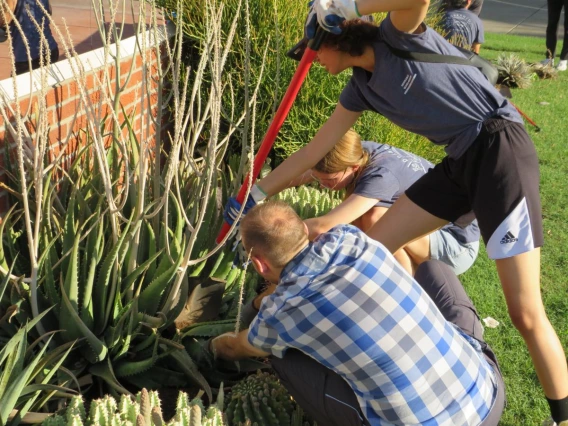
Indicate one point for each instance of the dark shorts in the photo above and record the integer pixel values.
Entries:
(498, 179)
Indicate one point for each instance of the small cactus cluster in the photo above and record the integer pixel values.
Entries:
(145, 410)
(310, 202)
(259, 400)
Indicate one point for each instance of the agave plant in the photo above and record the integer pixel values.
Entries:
(514, 71)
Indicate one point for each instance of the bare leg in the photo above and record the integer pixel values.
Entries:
(405, 261)
(403, 223)
(520, 278)
(413, 254)
(419, 250)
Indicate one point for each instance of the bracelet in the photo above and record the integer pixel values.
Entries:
(356, 8)
(257, 193)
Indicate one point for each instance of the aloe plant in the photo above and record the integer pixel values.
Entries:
(27, 377)
(112, 238)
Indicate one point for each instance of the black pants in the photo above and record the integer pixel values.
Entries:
(554, 12)
(330, 401)
(23, 67)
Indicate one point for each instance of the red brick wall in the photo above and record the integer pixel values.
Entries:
(63, 101)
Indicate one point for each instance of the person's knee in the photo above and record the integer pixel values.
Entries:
(432, 273)
(527, 319)
(405, 260)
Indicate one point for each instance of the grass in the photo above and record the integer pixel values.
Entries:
(546, 103)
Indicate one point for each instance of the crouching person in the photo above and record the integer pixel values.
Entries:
(355, 339)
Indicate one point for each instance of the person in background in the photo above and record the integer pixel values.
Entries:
(554, 11)
(29, 16)
(476, 6)
(463, 27)
(374, 176)
(355, 339)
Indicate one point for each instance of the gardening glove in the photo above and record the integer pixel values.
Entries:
(211, 342)
(329, 14)
(233, 207)
(241, 256)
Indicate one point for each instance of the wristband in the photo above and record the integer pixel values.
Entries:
(257, 193)
(356, 8)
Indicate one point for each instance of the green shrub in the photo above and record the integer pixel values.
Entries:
(278, 25)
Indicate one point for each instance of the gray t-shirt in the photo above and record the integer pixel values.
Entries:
(463, 27)
(446, 103)
(390, 172)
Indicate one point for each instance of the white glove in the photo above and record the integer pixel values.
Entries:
(331, 13)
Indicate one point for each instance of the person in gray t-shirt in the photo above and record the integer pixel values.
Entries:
(374, 176)
(491, 168)
(463, 27)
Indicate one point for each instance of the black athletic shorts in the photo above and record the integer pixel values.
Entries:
(498, 179)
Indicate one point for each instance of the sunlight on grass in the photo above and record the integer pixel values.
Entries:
(546, 103)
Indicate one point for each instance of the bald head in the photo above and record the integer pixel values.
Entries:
(273, 231)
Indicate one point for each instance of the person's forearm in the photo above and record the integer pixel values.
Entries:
(406, 15)
(303, 179)
(233, 347)
(317, 226)
(367, 7)
(298, 163)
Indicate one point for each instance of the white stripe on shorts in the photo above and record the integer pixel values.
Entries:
(513, 236)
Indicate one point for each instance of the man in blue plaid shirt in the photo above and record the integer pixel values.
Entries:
(355, 339)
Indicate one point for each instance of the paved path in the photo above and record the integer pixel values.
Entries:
(519, 17)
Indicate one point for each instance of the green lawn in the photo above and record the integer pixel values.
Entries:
(546, 102)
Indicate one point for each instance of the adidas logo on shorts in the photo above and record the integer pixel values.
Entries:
(509, 238)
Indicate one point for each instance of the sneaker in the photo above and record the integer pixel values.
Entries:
(562, 65)
(548, 61)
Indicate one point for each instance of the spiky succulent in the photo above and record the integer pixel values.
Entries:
(308, 201)
(545, 71)
(514, 71)
(261, 400)
(144, 410)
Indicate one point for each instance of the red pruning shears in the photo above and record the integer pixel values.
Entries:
(308, 57)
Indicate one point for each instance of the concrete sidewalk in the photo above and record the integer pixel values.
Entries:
(519, 17)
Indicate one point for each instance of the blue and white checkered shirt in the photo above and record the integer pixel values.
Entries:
(346, 302)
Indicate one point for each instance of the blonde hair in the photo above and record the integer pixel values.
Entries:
(348, 152)
(274, 231)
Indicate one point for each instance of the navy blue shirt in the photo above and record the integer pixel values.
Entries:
(464, 28)
(390, 172)
(446, 103)
(24, 7)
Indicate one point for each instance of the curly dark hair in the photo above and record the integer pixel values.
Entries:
(455, 4)
(355, 36)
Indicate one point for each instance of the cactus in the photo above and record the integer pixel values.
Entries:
(260, 399)
(309, 202)
(144, 410)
